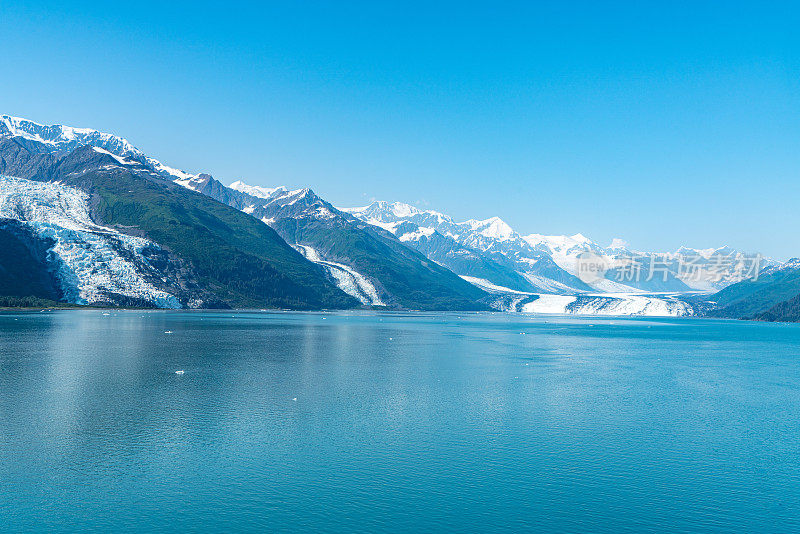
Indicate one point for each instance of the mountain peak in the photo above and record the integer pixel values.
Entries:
(60, 137)
(618, 243)
(400, 209)
(493, 227)
(255, 190)
(580, 238)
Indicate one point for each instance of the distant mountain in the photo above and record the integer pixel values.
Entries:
(116, 231)
(490, 253)
(366, 262)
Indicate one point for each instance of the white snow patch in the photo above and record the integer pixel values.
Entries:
(494, 228)
(389, 227)
(121, 160)
(419, 233)
(483, 283)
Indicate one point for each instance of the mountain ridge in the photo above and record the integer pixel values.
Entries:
(210, 255)
(384, 254)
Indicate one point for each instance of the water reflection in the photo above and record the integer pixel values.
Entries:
(363, 421)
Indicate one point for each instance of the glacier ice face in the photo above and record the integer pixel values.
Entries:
(508, 300)
(617, 305)
(94, 262)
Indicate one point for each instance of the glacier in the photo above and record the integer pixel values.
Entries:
(347, 279)
(621, 304)
(92, 263)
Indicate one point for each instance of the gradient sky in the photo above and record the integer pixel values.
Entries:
(665, 125)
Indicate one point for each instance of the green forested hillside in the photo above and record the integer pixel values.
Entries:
(402, 276)
(786, 311)
(415, 281)
(243, 261)
(753, 297)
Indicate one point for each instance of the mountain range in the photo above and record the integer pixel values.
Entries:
(549, 263)
(87, 218)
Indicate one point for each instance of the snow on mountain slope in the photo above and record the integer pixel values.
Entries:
(256, 191)
(66, 138)
(395, 271)
(93, 263)
(551, 263)
(59, 138)
(490, 240)
(686, 269)
(489, 286)
(347, 279)
(494, 228)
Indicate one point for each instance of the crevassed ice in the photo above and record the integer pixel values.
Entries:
(91, 257)
(347, 279)
(602, 305)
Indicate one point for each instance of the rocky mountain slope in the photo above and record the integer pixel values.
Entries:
(367, 262)
(123, 234)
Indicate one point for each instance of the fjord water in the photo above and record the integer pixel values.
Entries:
(390, 422)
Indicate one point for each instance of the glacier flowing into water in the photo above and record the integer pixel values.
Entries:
(93, 263)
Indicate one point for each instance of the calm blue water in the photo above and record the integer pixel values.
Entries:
(424, 422)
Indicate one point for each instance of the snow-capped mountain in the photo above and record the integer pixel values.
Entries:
(371, 266)
(504, 258)
(365, 262)
(684, 270)
(60, 139)
(552, 263)
(114, 228)
(390, 254)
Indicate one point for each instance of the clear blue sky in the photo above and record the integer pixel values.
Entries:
(664, 124)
